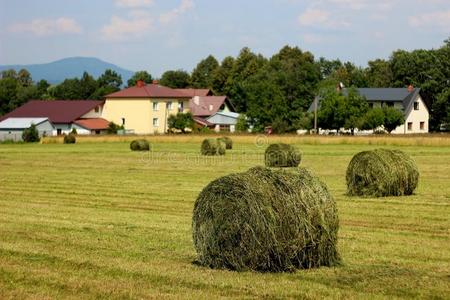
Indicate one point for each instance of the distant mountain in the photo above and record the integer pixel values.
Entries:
(59, 70)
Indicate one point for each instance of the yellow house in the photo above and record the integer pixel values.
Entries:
(145, 108)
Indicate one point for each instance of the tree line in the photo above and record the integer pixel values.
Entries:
(274, 91)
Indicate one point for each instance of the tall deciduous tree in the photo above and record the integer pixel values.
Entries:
(379, 74)
(177, 79)
(202, 76)
(140, 75)
(392, 118)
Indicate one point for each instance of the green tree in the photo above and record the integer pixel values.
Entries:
(242, 124)
(10, 73)
(140, 75)
(24, 78)
(442, 109)
(8, 94)
(42, 87)
(110, 78)
(31, 135)
(203, 73)
(181, 121)
(392, 118)
(68, 89)
(373, 119)
(379, 74)
(355, 108)
(88, 86)
(328, 67)
(222, 74)
(332, 112)
(177, 79)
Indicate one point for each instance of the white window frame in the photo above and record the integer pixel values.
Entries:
(169, 105)
(155, 122)
(155, 106)
(180, 106)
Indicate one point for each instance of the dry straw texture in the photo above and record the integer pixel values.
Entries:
(382, 172)
(266, 220)
(70, 139)
(140, 145)
(212, 147)
(228, 142)
(282, 155)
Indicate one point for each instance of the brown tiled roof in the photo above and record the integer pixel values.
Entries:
(57, 111)
(148, 91)
(206, 106)
(196, 92)
(203, 122)
(93, 124)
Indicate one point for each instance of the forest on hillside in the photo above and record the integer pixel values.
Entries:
(275, 91)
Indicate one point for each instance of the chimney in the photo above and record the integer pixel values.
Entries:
(410, 88)
(140, 83)
(197, 100)
(155, 81)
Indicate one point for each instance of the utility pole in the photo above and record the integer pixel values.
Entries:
(315, 115)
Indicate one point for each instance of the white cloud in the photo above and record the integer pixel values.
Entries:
(120, 29)
(320, 18)
(134, 3)
(46, 27)
(175, 13)
(431, 20)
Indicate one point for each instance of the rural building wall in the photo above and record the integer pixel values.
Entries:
(139, 114)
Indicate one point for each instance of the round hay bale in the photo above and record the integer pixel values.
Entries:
(380, 173)
(70, 139)
(227, 141)
(266, 220)
(212, 147)
(140, 145)
(282, 156)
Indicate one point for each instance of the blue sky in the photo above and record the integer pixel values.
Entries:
(158, 35)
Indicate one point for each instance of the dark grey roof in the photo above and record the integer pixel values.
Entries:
(384, 94)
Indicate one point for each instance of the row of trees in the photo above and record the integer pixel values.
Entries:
(275, 91)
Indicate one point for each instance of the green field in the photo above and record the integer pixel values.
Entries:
(95, 220)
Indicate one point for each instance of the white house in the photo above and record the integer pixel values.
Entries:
(407, 100)
(12, 128)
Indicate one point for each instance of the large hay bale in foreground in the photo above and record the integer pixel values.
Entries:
(140, 145)
(212, 147)
(382, 172)
(266, 220)
(70, 139)
(227, 141)
(282, 155)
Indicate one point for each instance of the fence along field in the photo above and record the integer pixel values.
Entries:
(96, 220)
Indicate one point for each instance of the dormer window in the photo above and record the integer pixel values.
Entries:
(416, 105)
(97, 109)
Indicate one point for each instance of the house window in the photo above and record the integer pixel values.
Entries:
(169, 105)
(97, 109)
(390, 104)
(422, 125)
(155, 122)
(370, 105)
(416, 105)
(123, 121)
(180, 106)
(155, 106)
(410, 124)
(58, 131)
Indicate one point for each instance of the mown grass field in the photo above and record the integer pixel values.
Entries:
(94, 220)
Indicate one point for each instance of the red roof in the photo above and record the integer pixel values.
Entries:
(93, 124)
(203, 122)
(196, 92)
(206, 106)
(57, 111)
(148, 91)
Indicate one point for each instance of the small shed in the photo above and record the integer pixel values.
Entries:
(224, 121)
(12, 128)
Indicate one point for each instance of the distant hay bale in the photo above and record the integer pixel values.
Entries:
(382, 172)
(266, 220)
(70, 139)
(140, 145)
(282, 155)
(212, 147)
(228, 142)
